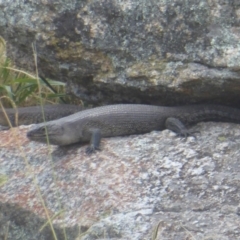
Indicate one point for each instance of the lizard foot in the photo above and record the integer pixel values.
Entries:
(187, 133)
(179, 128)
(92, 149)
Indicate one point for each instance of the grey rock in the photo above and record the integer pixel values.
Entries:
(137, 187)
(18, 223)
(167, 52)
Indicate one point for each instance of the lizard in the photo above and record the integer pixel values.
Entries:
(34, 114)
(127, 119)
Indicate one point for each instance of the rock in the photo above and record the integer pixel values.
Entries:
(156, 52)
(18, 223)
(136, 187)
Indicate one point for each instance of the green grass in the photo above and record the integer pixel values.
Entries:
(23, 88)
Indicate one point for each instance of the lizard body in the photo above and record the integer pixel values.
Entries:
(30, 115)
(126, 119)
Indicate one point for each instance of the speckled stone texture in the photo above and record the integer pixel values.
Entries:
(21, 224)
(135, 187)
(168, 52)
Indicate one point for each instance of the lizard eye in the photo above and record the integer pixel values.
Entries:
(42, 130)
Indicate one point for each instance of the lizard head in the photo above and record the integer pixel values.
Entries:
(46, 133)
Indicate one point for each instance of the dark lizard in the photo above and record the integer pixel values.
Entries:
(126, 119)
(30, 115)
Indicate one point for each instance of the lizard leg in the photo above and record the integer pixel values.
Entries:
(95, 141)
(178, 127)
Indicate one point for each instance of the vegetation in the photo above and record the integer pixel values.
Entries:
(20, 88)
(25, 89)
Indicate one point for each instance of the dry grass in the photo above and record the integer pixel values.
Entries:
(20, 88)
(24, 88)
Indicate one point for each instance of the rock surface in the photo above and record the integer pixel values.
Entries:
(158, 52)
(18, 223)
(161, 52)
(136, 187)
